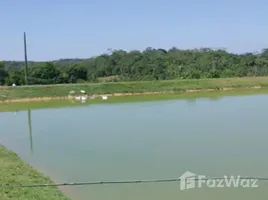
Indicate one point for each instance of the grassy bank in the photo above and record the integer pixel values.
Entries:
(14, 172)
(188, 96)
(42, 91)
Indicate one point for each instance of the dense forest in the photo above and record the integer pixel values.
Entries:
(150, 64)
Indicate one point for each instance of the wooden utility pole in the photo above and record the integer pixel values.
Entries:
(26, 62)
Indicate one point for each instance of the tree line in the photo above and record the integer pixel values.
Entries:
(150, 64)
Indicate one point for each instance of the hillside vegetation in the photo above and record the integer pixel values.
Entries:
(150, 64)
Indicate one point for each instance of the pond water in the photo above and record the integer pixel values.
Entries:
(145, 140)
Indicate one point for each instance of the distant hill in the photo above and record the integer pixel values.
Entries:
(60, 63)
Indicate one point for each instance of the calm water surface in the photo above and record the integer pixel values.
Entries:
(146, 140)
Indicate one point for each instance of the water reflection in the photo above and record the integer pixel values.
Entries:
(30, 129)
(192, 101)
(215, 98)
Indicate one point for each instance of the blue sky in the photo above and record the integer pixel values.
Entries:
(84, 28)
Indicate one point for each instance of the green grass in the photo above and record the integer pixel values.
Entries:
(14, 172)
(7, 93)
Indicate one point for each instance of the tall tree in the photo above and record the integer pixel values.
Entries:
(3, 73)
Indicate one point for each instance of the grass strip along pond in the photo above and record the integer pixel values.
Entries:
(61, 91)
(15, 171)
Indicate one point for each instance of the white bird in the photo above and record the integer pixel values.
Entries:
(83, 98)
(104, 97)
(83, 91)
(77, 98)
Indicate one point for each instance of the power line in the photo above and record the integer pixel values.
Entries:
(130, 182)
